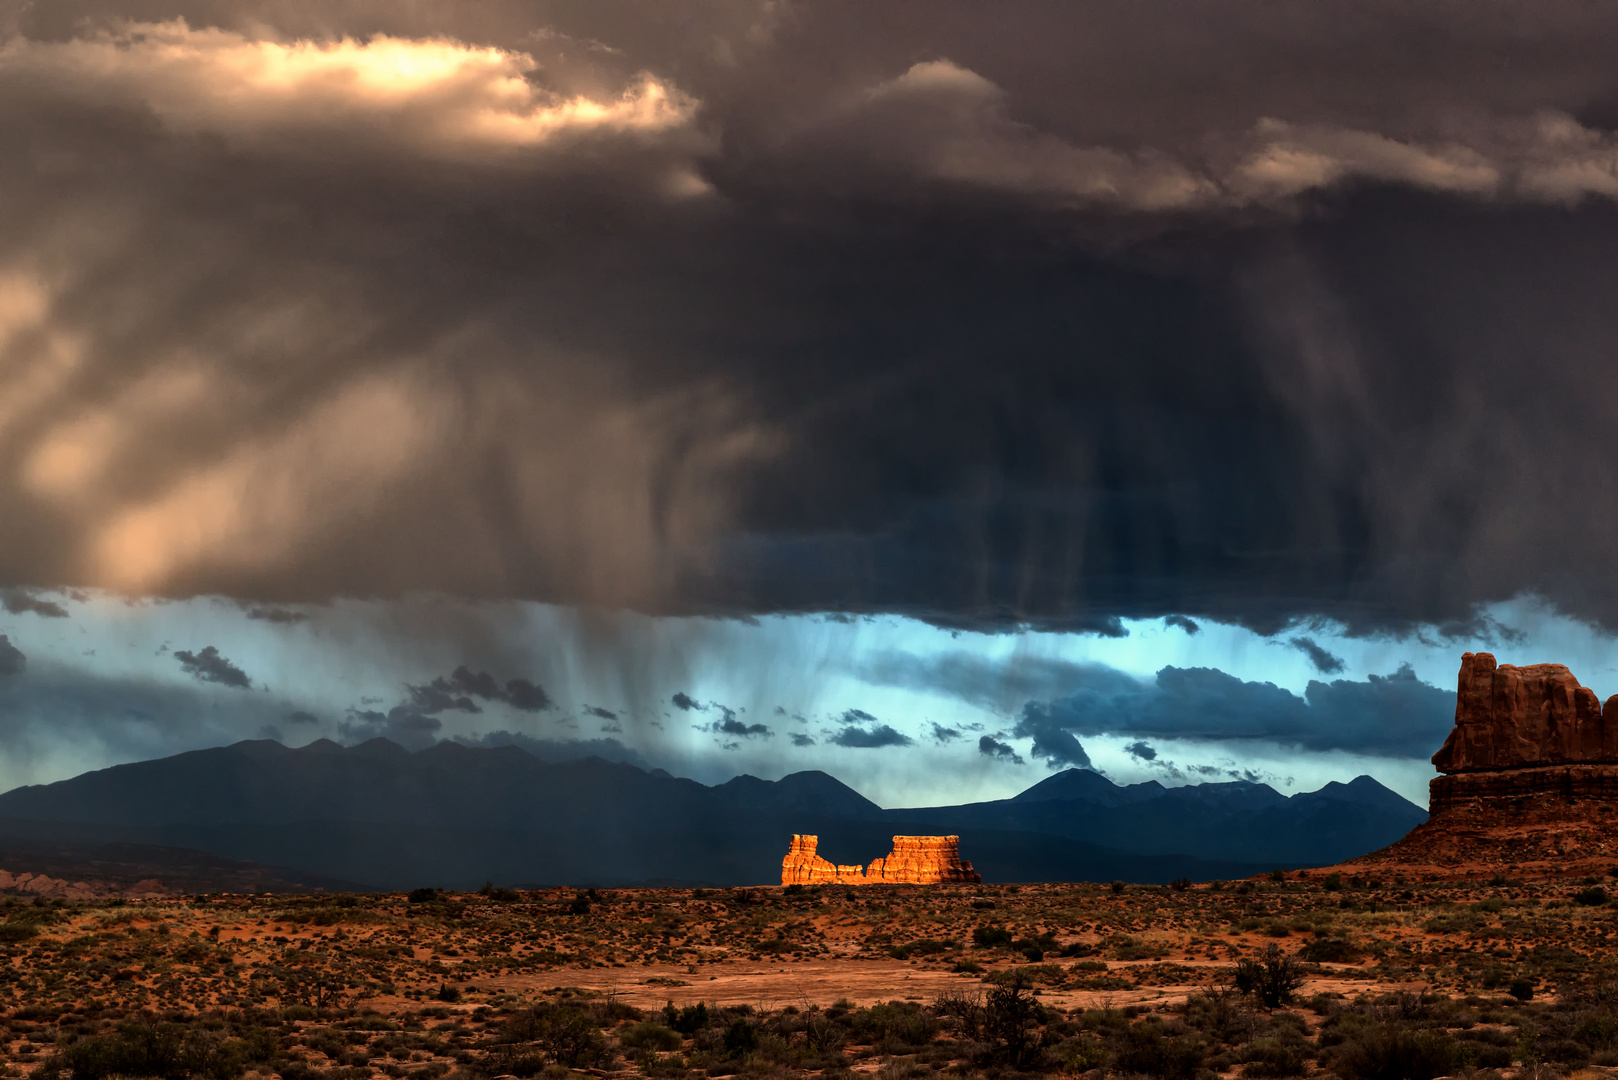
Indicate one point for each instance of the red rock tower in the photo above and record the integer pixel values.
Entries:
(914, 860)
(1530, 778)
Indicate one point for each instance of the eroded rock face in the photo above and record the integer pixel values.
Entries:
(914, 860)
(1509, 717)
(1530, 780)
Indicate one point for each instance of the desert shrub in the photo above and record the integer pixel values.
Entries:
(514, 1061)
(1595, 1030)
(1522, 989)
(1051, 974)
(1081, 1054)
(1485, 1048)
(1221, 1014)
(1180, 884)
(650, 1035)
(1124, 947)
(962, 1009)
(1394, 1050)
(1274, 1057)
(1330, 950)
(688, 1020)
(1273, 978)
(1594, 896)
(893, 1024)
(137, 1049)
(567, 1034)
(18, 930)
(923, 947)
(741, 1037)
(992, 937)
(424, 896)
(1010, 1019)
(1152, 1048)
(824, 1034)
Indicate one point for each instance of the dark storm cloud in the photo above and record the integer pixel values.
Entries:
(871, 738)
(1052, 314)
(207, 665)
(284, 616)
(1190, 626)
(12, 659)
(942, 734)
(599, 713)
(1322, 659)
(25, 601)
(994, 748)
(987, 683)
(732, 726)
(685, 702)
(410, 728)
(1393, 715)
(800, 739)
(456, 693)
(1141, 751)
(856, 716)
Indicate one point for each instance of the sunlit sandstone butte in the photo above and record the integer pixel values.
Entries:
(914, 860)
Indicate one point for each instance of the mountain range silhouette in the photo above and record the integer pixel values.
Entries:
(377, 816)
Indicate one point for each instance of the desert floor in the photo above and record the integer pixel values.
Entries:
(971, 980)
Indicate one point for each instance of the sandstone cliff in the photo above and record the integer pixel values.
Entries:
(1530, 780)
(914, 860)
(1510, 717)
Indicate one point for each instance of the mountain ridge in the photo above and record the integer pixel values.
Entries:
(384, 816)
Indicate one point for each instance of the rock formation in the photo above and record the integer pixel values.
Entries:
(1530, 778)
(56, 888)
(1510, 717)
(914, 860)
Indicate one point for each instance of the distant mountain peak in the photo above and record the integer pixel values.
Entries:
(380, 748)
(322, 746)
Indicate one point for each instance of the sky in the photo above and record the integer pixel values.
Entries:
(935, 396)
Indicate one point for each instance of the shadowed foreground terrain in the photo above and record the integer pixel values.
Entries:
(1367, 978)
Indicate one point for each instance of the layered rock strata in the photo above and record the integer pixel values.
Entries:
(1530, 777)
(1509, 717)
(914, 860)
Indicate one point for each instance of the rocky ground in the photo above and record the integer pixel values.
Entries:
(1392, 979)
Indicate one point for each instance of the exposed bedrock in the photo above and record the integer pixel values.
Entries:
(1530, 780)
(914, 860)
(1509, 717)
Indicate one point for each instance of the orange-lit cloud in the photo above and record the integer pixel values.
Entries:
(436, 95)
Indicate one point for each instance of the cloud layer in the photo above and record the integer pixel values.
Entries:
(1053, 316)
(1393, 715)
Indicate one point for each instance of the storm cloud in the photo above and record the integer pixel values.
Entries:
(24, 601)
(993, 748)
(12, 659)
(207, 665)
(1322, 659)
(871, 738)
(1394, 715)
(456, 693)
(1051, 315)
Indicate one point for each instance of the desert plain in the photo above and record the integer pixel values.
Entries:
(1379, 978)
